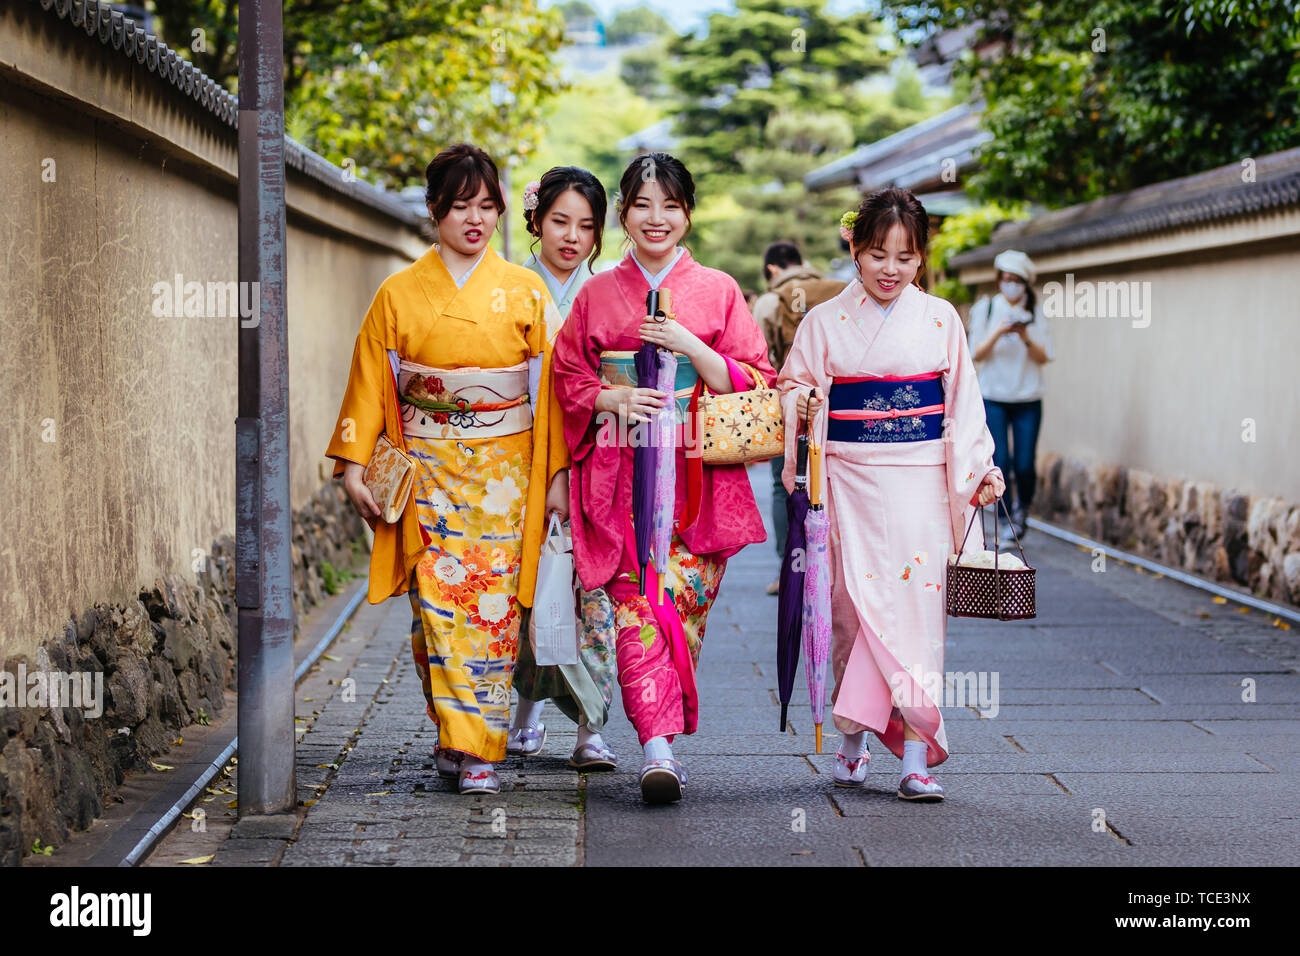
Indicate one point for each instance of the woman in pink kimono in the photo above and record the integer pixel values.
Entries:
(884, 373)
(715, 515)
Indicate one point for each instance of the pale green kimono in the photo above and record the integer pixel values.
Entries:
(584, 691)
(562, 294)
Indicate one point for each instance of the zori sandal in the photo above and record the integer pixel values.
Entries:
(662, 781)
(447, 762)
(851, 773)
(916, 787)
(485, 781)
(590, 757)
(526, 741)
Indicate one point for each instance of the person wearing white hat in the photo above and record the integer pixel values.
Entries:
(1010, 342)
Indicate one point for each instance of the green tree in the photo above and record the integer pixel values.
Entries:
(379, 86)
(767, 56)
(739, 215)
(642, 69)
(1124, 94)
(959, 232)
(482, 80)
(627, 24)
(575, 11)
(582, 125)
(319, 35)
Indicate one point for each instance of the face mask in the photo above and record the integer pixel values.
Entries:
(1011, 291)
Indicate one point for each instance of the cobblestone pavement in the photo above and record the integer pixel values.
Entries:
(366, 780)
(1122, 734)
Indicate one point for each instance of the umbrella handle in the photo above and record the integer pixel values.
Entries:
(815, 477)
(801, 462)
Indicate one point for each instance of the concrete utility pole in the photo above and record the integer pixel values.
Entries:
(263, 581)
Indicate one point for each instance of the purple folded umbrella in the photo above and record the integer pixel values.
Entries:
(789, 613)
(645, 463)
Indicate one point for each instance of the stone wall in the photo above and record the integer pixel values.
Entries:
(1222, 534)
(120, 414)
(165, 660)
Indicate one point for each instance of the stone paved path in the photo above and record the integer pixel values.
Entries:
(1120, 737)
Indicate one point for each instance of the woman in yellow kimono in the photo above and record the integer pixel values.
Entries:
(448, 365)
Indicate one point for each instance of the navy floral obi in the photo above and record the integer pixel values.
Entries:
(886, 409)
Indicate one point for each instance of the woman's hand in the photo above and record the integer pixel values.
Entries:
(358, 493)
(671, 334)
(810, 403)
(990, 489)
(633, 405)
(557, 496)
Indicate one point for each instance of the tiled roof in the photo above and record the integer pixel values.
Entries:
(953, 133)
(1218, 194)
(125, 35)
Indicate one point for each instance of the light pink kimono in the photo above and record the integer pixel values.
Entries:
(895, 507)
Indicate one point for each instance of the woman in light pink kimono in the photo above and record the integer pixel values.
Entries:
(658, 635)
(884, 373)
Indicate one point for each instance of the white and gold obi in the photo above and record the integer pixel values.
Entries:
(469, 402)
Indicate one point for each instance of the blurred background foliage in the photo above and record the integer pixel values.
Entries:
(1081, 101)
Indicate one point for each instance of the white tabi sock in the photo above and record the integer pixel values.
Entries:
(528, 713)
(854, 745)
(472, 765)
(657, 748)
(592, 737)
(914, 757)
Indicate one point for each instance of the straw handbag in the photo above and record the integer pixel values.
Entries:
(1003, 594)
(739, 427)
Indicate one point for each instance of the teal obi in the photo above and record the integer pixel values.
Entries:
(618, 370)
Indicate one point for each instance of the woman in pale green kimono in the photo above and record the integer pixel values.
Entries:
(565, 211)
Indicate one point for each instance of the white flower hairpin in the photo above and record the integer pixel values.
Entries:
(530, 195)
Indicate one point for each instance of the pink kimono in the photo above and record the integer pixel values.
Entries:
(905, 449)
(715, 513)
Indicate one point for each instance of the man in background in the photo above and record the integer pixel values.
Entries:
(793, 287)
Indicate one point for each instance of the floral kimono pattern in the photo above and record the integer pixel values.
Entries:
(652, 685)
(583, 691)
(465, 547)
(465, 629)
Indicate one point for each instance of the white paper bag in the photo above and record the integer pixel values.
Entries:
(553, 625)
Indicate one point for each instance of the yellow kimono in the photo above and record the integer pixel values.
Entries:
(466, 546)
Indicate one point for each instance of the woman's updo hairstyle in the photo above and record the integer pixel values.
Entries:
(457, 173)
(671, 174)
(883, 210)
(556, 181)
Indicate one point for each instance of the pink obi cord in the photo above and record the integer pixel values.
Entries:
(873, 413)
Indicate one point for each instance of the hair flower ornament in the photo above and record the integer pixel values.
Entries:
(847, 222)
(530, 194)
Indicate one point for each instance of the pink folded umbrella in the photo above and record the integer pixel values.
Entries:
(816, 595)
(663, 433)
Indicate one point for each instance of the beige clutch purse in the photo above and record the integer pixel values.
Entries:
(389, 476)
